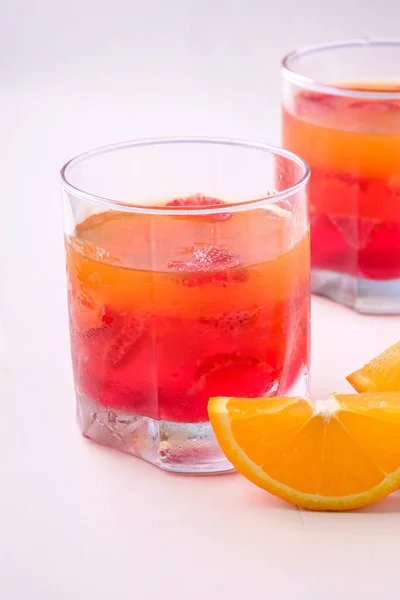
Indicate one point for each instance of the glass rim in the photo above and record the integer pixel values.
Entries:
(185, 211)
(319, 86)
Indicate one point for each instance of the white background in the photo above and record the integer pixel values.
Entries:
(79, 521)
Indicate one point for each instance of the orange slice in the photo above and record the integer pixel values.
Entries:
(337, 454)
(382, 374)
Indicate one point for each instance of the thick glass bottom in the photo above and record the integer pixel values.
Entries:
(380, 297)
(179, 447)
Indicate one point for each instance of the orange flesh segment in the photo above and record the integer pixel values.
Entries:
(381, 374)
(337, 454)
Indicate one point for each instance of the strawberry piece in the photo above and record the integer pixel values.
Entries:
(234, 321)
(209, 265)
(356, 232)
(127, 341)
(206, 258)
(198, 200)
(108, 317)
(319, 99)
(376, 105)
(233, 375)
(313, 103)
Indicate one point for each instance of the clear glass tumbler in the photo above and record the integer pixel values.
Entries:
(188, 277)
(341, 112)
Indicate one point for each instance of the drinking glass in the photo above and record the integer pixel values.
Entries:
(188, 277)
(341, 112)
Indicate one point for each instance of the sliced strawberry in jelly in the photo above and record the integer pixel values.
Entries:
(196, 200)
(203, 264)
(356, 232)
(108, 316)
(336, 192)
(200, 201)
(313, 102)
(127, 341)
(207, 258)
(234, 375)
(349, 180)
(327, 100)
(376, 105)
(234, 321)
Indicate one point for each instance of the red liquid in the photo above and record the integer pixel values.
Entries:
(160, 323)
(353, 148)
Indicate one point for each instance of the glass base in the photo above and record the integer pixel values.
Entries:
(178, 447)
(363, 295)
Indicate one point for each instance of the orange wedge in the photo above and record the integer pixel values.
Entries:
(382, 374)
(337, 454)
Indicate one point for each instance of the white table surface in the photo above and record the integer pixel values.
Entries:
(81, 521)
